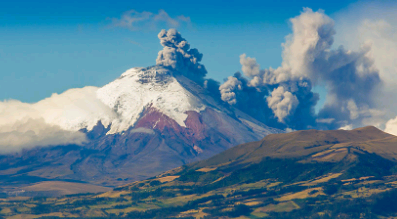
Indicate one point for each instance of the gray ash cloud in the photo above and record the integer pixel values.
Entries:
(350, 77)
(178, 55)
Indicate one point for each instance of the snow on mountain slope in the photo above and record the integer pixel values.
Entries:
(140, 88)
(169, 93)
(121, 103)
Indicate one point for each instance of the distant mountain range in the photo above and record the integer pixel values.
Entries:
(303, 174)
(161, 120)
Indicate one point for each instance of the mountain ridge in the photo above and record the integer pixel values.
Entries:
(318, 140)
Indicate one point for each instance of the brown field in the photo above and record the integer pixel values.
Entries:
(65, 188)
(323, 179)
(302, 195)
(281, 207)
(167, 179)
(206, 169)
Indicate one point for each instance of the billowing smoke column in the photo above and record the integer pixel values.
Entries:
(178, 55)
(350, 78)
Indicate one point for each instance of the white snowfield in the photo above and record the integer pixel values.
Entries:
(140, 88)
(119, 104)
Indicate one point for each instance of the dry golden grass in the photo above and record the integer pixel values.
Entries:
(253, 203)
(95, 213)
(323, 179)
(18, 198)
(349, 180)
(363, 192)
(325, 153)
(394, 183)
(297, 183)
(30, 205)
(5, 211)
(370, 182)
(167, 179)
(302, 195)
(365, 177)
(23, 209)
(331, 155)
(242, 217)
(179, 200)
(167, 173)
(30, 216)
(113, 194)
(273, 184)
(357, 179)
(190, 211)
(200, 214)
(219, 179)
(206, 169)
(193, 213)
(259, 214)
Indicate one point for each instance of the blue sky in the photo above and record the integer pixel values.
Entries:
(50, 46)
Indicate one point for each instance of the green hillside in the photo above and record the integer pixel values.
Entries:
(304, 174)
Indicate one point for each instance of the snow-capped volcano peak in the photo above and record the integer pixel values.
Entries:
(172, 99)
(147, 121)
(141, 88)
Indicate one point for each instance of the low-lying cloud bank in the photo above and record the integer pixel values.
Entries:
(29, 133)
(53, 121)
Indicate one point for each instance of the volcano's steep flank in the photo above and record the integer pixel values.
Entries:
(303, 174)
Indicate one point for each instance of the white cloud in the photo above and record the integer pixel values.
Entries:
(135, 20)
(374, 23)
(53, 121)
(228, 89)
(346, 127)
(249, 66)
(28, 133)
(391, 126)
(312, 34)
(382, 36)
(282, 102)
(352, 107)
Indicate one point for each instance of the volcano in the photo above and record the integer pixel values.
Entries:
(157, 118)
(164, 120)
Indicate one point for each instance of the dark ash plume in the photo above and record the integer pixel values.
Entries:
(178, 55)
